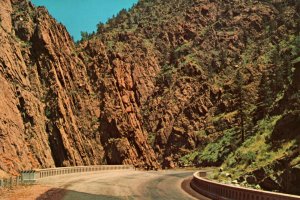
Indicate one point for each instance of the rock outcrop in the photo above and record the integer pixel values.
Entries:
(52, 114)
(212, 61)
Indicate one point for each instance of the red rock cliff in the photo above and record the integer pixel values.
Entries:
(52, 111)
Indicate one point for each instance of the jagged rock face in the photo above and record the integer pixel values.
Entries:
(124, 82)
(19, 108)
(48, 117)
(52, 114)
(200, 48)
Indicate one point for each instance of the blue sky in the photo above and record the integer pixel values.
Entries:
(83, 15)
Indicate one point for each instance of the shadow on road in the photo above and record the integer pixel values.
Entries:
(185, 185)
(63, 194)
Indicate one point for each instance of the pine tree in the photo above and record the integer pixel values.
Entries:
(84, 35)
(241, 104)
(266, 95)
(100, 27)
(244, 105)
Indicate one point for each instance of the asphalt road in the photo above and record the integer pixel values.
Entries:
(123, 184)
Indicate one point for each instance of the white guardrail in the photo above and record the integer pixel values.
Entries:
(42, 173)
(221, 191)
(30, 176)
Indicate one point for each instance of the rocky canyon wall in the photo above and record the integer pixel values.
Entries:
(50, 111)
(165, 84)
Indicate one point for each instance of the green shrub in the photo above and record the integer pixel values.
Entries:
(188, 159)
(151, 138)
(231, 161)
(248, 157)
(48, 112)
(256, 151)
(216, 152)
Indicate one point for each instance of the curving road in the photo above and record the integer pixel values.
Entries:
(123, 184)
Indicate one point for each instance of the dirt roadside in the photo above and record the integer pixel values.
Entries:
(37, 192)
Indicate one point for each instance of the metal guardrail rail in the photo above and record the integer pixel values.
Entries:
(221, 191)
(42, 173)
(11, 182)
(30, 176)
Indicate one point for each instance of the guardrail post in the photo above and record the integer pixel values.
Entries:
(29, 176)
(17, 181)
(11, 182)
(37, 175)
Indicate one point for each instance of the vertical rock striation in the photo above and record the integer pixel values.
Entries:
(49, 115)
